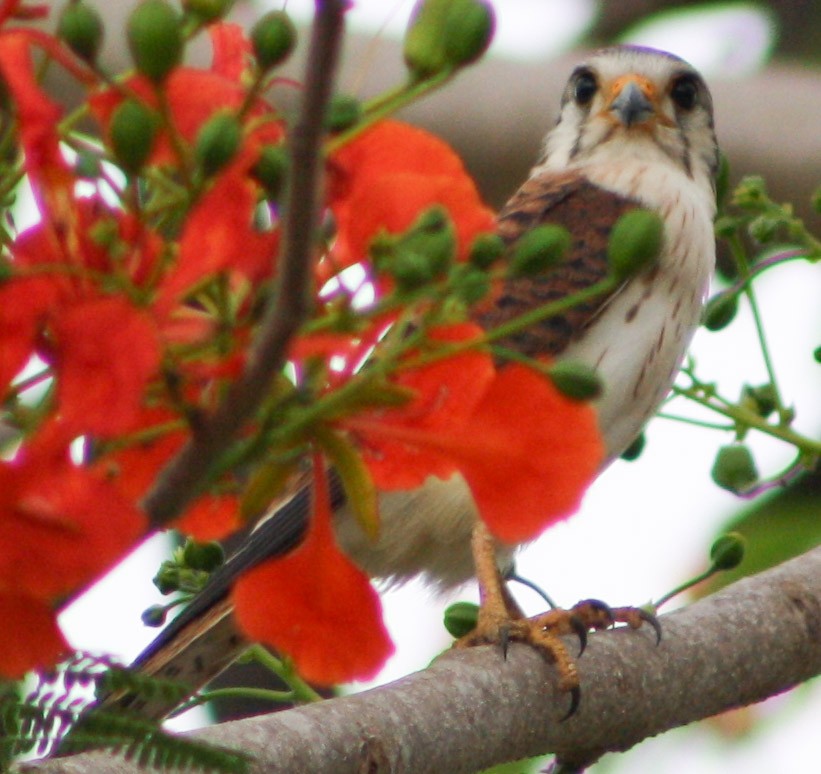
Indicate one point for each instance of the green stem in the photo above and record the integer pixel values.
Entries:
(386, 104)
(751, 420)
(300, 690)
(740, 258)
(683, 587)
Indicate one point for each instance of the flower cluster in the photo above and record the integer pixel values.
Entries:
(130, 307)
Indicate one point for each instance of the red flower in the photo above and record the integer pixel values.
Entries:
(315, 605)
(60, 524)
(31, 637)
(387, 176)
(108, 353)
(527, 452)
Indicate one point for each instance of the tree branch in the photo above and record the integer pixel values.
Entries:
(179, 481)
(471, 709)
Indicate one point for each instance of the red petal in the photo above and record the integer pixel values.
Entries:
(447, 393)
(108, 352)
(31, 638)
(528, 454)
(231, 50)
(317, 607)
(210, 518)
(22, 303)
(60, 525)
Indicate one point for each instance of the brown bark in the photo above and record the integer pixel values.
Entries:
(471, 709)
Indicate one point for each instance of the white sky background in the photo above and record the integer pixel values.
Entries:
(644, 526)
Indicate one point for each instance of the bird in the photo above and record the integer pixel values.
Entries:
(635, 130)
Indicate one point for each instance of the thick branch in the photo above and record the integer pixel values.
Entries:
(180, 480)
(471, 709)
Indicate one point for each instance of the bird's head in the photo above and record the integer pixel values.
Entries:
(634, 101)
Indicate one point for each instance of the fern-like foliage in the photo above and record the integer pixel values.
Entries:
(61, 714)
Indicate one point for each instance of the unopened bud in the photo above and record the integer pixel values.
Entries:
(720, 311)
(539, 249)
(461, 618)
(447, 34)
(727, 552)
(468, 30)
(486, 250)
(208, 10)
(343, 112)
(272, 169)
(273, 38)
(575, 380)
(217, 142)
(634, 450)
(635, 242)
(81, 27)
(470, 284)
(762, 399)
(734, 468)
(132, 130)
(155, 39)
(154, 616)
(203, 556)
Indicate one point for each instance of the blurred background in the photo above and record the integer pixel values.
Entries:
(645, 525)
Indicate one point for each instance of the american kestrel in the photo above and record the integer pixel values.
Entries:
(635, 130)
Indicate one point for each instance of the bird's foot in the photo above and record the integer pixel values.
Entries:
(544, 632)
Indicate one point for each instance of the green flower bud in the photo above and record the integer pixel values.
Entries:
(447, 34)
(634, 450)
(575, 380)
(155, 39)
(203, 556)
(764, 228)
(132, 130)
(726, 225)
(727, 552)
(817, 354)
(468, 30)
(343, 112)
(154, 616)
(719, 311)
(470, 284)
(81, 27)
(434, 238)
(217, 142)
(272, 169)
(761, 400)
(208, 10)
(273, 38)
(734, 468)
(423, 49)
(411, 271)
(167, 579)
(461, 618)
(539, 249)
(751, 193)
(635, 242)
(486, 250)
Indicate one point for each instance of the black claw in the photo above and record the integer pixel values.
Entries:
(653, 621)
(581, 632)
(575, 700)
(504, 640)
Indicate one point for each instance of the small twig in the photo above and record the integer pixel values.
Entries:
(180, 480)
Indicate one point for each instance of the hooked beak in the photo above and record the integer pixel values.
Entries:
(632, 100)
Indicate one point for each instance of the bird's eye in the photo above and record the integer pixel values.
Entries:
(585, 87)
(684, 92)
